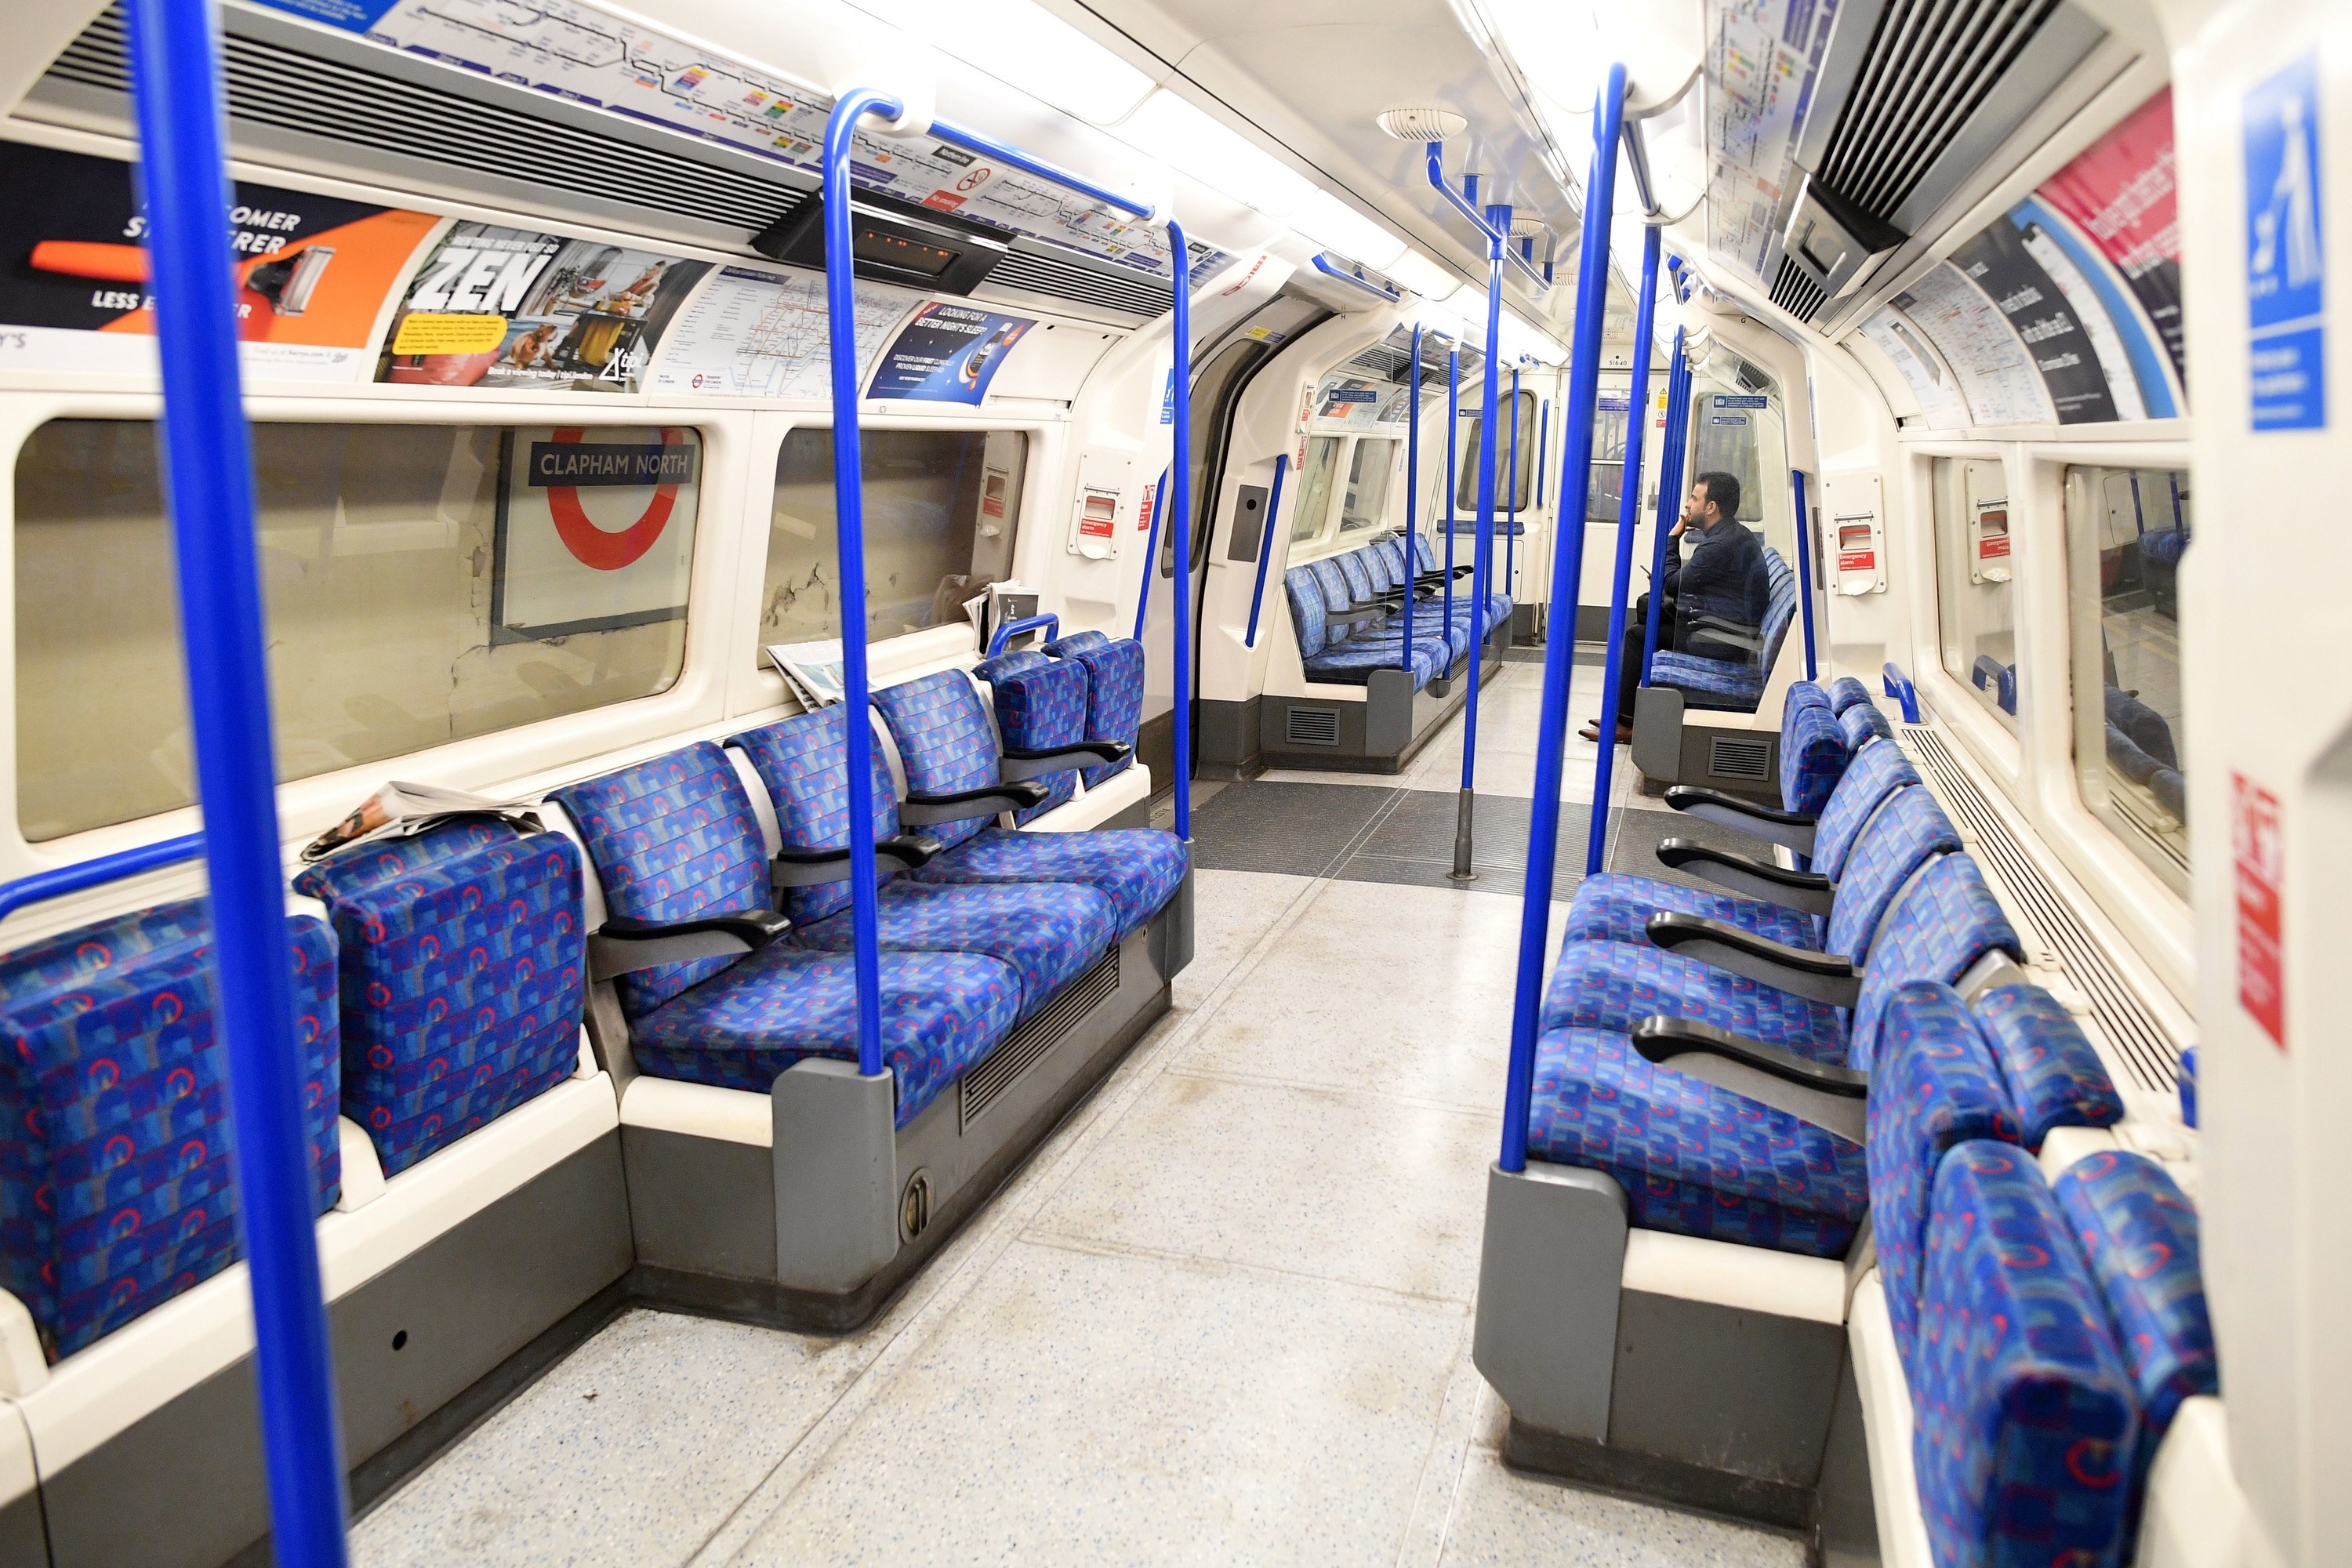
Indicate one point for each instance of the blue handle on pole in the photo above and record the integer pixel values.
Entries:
(1356, 277)
(1050, 625)
(1670, 486)
(56, 884)
(1151, 556)
(1181, 523)
(1482, 550)
(208, 477)
(1804, 569)
(1029, 163)
(1560, 651)
(1266, 544)
(1629, 514)
(1898, 686)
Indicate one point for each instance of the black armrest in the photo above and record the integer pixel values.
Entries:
(1817, 976)
(1793, 828)
(1833, 1098)
(1806, 891)
(1019, 766)
(623, 945)
(956, 805)
(794, 868)
(1733, 647)
(1360, 614)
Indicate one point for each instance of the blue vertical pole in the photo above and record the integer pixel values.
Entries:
(1180, 523)
(849, 532)
(208, 477)
(1629, 514)
(1511, 540)
(1670, 489)
(1411, 498)
(1482, 554)
(1151, 557)
(1453, 443)
(1264, 547)
(1543, 444)
(1559, 649)
(1804, 568)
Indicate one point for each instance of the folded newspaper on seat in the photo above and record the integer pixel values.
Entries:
(403, 810)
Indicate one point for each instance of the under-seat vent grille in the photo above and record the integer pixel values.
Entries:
(1311, 726)
(2148, 1053)
(1734, 758)
(1005, 1066)
(1796, 293)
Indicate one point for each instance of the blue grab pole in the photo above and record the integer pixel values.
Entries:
(1151, 556)
(209, 479)
(1453, 444)
(1511, 540)
(1670, 487)
(1543, 445)
(1482, 549)
(1804, 569)
(1560, 651)
(74, 879)
(1264, 545)
(1629, 514)
(1180, 523)
(1411, 501)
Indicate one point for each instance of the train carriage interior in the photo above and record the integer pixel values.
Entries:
(1506, 867)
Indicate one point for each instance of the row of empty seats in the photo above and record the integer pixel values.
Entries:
(1348, 613)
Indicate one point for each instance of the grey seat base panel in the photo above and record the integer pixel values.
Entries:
(1674, 743)
(1384, 733)
(1716, 1409)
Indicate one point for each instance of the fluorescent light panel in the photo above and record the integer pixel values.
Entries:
(1335, 225)
(1168, 128)
(1030, 48)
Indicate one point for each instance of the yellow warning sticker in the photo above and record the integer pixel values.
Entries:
(423, 333)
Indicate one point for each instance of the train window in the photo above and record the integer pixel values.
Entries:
(942, 510)
(411, 599)
(1973, 566)
(1508, 497)
(1609, 423)
(2125, 532)
(1365, 503)
(1315, 487)
(1737, 429)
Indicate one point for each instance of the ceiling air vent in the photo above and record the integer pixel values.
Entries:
(1796, 292)
(1311, 726)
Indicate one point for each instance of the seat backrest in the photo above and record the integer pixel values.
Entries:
(1874, 772)
(1355, 566)
(116, 1176)
(1934, 1086)
(1041, 708)
(461, 954)
(2054, 1075)
(1115, 671)
(944, 739)
(804, 760)
(1802, 694)
(1938, 928)
(1812, 758)
(1337, 594)
(1077, 643)
(1425, 552)
(2026, 1422)
(1905, 832)
(1306, 611)
(1845, 692)
(1780, 611)
(1390, 554)
(671, 836)
(1377, 571)
(2141, 1237)
(1864, 722)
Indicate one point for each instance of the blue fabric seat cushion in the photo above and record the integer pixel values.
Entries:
(1909, 829)
(1873, 773)
(1694, 1159)
(1114, 692)
(1041, 708)
(2054, 1073)
(1864, 722)
(1352, 664)
(1614, 985)
(2025, 1421)
(463, 979)
(1707, 677)
(1939, 928)
(1048, 932)
(1804, 694)
(1812, 758)
(1845, 692)
(1616, 907)
(944, 740)
(1137, 868)
(942, 1012)
(804, 762)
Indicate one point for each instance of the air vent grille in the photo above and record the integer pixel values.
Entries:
(1929, 66)
(1736, 757)
(2148, 1054)
(1311, 726)
(1137, 296)
(1005, 1066)
(1796, 293)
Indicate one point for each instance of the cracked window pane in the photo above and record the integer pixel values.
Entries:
(942, 510)
(379, 545)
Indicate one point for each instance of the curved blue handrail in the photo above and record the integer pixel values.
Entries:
(208, 481)
(1559, 649)
(1151, 554)
(1266, 544)
(86, 874)
(1620, 580)
(1029, 163)
(1050, 625)
(1898, 686)
(1323, 265)
(1465, 202)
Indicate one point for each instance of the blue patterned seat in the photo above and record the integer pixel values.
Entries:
(1845, 692)
(116, 1187)
(463, 978)
(1040, 707)
(1499, 604)
(1813, 755)
(1139, 869)
(1873, 775)
(2025, 1423)
(2050, 1070)
(1340, 659)
(1863, 723)
(673, 837)
(1115, 671)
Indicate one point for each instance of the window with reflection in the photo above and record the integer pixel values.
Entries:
(1610, 419)
(1508, 497)
(2127, 531)
(1371, 469)
(1975, 598)
(1315, 487)
(424, 583)
(942, 507)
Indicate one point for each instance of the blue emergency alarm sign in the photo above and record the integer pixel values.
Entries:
(2287, 265)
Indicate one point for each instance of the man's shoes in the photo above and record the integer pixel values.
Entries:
(1592, 733)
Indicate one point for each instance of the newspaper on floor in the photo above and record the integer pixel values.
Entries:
(401, 810)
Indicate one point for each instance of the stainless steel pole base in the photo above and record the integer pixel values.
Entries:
(1462, 872)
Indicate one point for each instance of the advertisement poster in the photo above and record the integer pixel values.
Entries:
(2119, 195)
(749, 334)
(946, 354)
(313, 271)
(515, 307)
(1998, 262)
(595, 531)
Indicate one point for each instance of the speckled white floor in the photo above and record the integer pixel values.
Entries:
(1222, 1318)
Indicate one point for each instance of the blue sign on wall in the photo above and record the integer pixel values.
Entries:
(946, 354)
(2286, 267)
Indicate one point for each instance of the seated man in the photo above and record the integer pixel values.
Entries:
(1723, 579)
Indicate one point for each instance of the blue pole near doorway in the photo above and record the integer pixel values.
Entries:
(209, 479)
(1411, 500)
(1453, 443)
(1629, 515)
(1482, 554)
(1670, 488)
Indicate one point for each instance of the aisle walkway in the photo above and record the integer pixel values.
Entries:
(1222, 1318)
